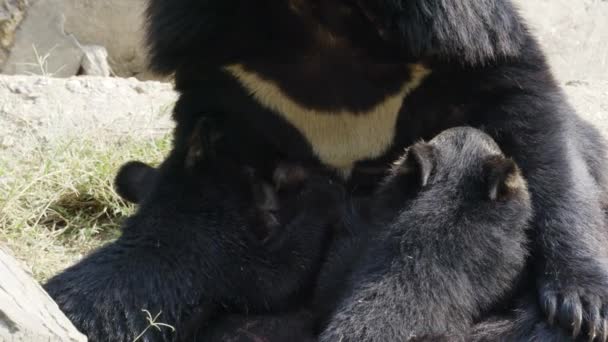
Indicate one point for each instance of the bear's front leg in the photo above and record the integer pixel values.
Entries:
(570, 248)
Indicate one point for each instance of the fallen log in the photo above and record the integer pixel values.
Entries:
(27, 312)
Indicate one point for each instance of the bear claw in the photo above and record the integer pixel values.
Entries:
(576, 312)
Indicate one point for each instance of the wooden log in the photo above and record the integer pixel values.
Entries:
(27, 312)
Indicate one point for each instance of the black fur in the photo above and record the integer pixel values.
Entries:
(470, 32)
(191, 253)
(293, 327)
(479, 250)
(524, 324)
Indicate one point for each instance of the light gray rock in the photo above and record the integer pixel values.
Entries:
(574, 34)
(41, 47)
(64, 28)
(11, 14)
(27, 312)
(95, 61)
(115, 24)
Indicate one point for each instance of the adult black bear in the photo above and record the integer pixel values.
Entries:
(190, 252)
(350, 83)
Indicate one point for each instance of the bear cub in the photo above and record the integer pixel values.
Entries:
(135, 179)
(450, 243)
(191, 251)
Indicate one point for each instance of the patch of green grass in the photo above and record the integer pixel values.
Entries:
(57, 202)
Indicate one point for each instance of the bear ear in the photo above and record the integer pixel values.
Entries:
(419, 162)
(134, 180)
(503, 177)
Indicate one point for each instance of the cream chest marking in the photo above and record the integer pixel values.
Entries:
(338, 138)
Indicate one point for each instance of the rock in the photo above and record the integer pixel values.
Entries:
(74, 85)
(69, 34)
(11, 14)
(118, 25)
(95, 61)
(573, 34)
(27, 312)
(33, 108)
(140, 90)
(18, 88)
(41, 47)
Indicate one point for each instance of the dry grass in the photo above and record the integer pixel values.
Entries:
(57, 202)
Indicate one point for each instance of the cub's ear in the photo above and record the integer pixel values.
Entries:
(503, 178)
(408, 175)
(134, 180)
(417, 163)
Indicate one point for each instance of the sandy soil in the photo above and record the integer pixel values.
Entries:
(574, 35)
(41, 109)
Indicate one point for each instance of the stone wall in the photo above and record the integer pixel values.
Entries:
(56, 36)
(11, 15)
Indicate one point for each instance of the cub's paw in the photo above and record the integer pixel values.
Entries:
(579, 308)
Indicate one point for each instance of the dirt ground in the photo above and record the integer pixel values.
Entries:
(61, 143)
(574, 35)
(36, 110)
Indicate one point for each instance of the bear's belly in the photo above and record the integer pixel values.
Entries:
(338, 138)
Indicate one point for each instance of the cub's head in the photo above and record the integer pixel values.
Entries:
(461, 175)
(192, 175)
